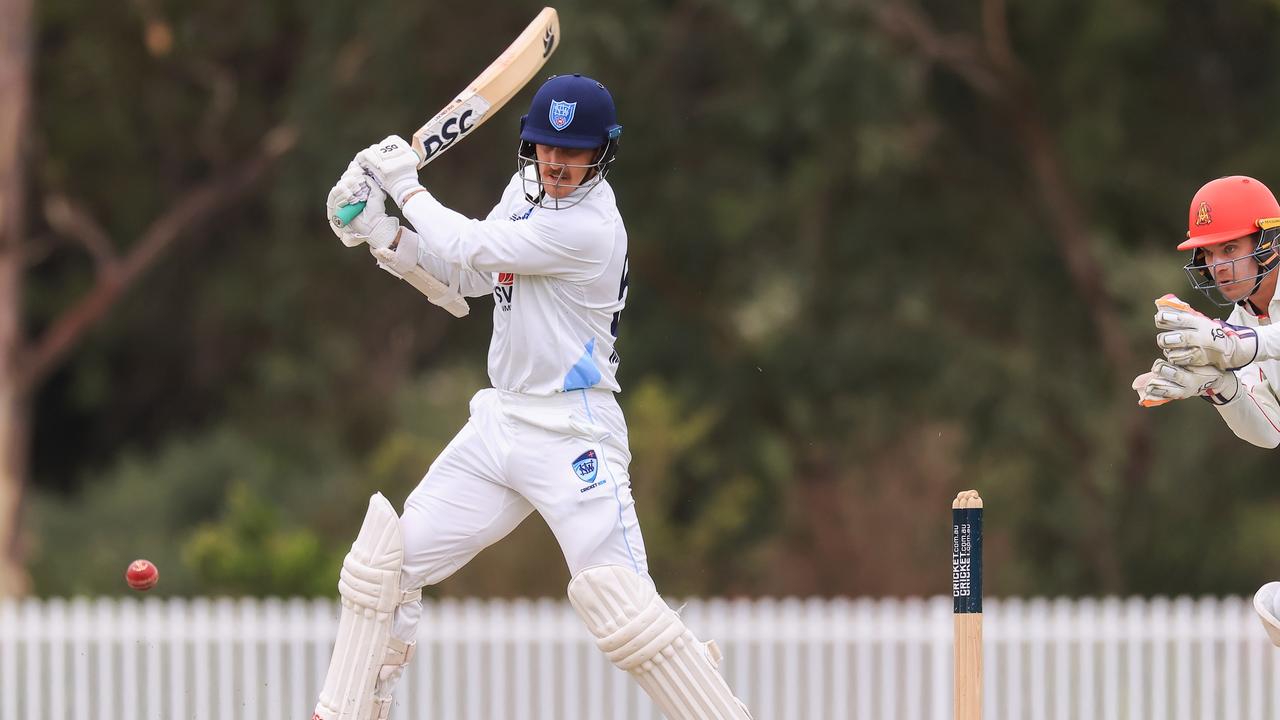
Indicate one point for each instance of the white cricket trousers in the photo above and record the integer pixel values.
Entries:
(565, 456)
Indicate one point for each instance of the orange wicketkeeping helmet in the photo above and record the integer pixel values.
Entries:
(1226, 209)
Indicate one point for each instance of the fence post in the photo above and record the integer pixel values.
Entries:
(847, 659)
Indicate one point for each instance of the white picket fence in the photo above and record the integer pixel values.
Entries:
(533, 660)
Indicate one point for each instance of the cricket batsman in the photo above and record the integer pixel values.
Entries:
(1231, 232)
(548, 436)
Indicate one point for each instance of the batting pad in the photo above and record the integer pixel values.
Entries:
(642, 635)
(1267, 603)
(370, 590)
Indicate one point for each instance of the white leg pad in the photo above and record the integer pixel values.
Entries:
(1267, 604)
(643, 636)
(366, 658)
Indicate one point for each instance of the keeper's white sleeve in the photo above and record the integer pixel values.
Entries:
(1254, 413)
(1268, 342)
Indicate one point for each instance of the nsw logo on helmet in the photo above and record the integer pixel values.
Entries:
(561, 114)
(1202, 214)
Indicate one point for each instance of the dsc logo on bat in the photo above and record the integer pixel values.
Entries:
(448, 127)
(452, 129)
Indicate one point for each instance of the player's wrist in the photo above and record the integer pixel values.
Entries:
(404, 188)
(1268, 340)
(1224, 390)
(1244, 345)
(411, 194)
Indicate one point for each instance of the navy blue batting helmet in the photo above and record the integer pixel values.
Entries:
(571, 111)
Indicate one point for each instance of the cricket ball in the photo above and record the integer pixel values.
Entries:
(141, 575)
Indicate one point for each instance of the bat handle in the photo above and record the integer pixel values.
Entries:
(347, 213)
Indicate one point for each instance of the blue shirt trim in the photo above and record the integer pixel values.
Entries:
(584, 373)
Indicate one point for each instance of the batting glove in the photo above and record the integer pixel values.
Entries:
(373, 225)
(393, 165)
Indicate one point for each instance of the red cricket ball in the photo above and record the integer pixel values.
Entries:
(141, 575)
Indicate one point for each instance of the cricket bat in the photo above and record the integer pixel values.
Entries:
(499, 82)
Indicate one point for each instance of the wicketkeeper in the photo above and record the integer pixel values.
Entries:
(1232, 228)
(548, 436)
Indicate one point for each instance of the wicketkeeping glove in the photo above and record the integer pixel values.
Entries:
(1191, 339)
(1267, 604)
(1167, 382)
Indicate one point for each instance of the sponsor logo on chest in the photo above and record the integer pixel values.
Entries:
(504, 290)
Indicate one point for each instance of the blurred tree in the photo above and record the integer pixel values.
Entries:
(15, 103)
(880, 251)
(30, 357)
(987, 62)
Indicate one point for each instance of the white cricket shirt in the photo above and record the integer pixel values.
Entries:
(558, 278)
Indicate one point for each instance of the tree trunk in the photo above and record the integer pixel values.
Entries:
(14, 438)
(15, 102)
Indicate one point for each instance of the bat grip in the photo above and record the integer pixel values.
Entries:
(347, 213)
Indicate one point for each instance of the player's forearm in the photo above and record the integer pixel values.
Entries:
(446, 235)
(469, 283)
(1254, 416)
(502, 246)
(409, 250)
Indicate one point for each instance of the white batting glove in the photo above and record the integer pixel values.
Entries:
(1193, 339)
(373, 225)
(401, 259)
(393, 165)
(1167, 382)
